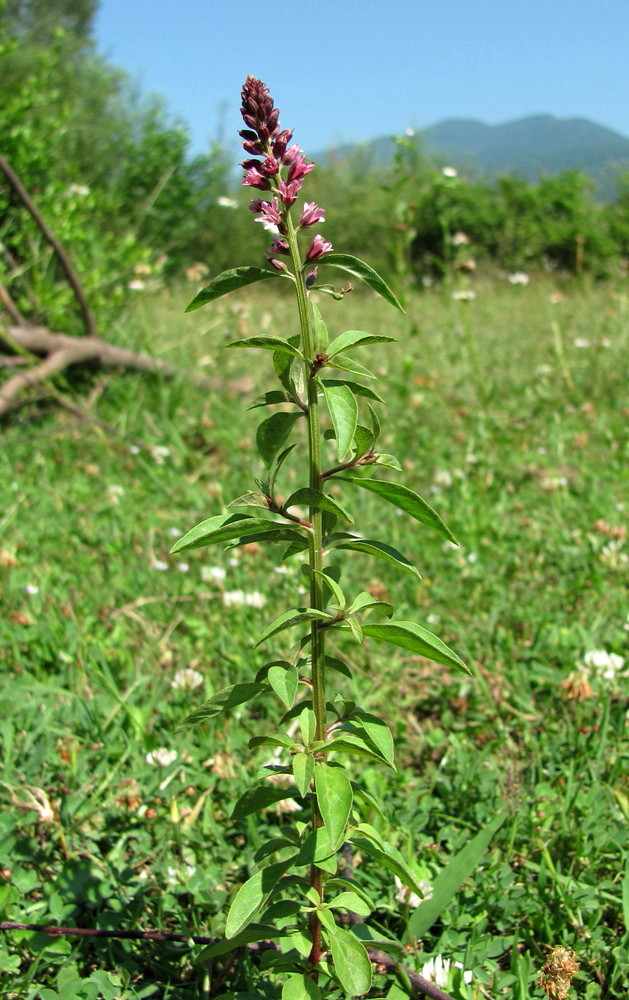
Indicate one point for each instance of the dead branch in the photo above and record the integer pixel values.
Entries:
(61, 351)
(63, 258)
(11, 307)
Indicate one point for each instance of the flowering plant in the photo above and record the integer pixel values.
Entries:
(298, 891)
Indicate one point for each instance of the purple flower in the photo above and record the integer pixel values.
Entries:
(311, 214)
(318, 248)
(289, 192)
(281, 142)
(279, 265)
(299, 168)
(269, 216)
(278, 245)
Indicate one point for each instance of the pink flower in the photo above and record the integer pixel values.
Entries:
(289, 192)
(269, 216)
(253, 178)
(278, 245)
(318, 248)
(311, 213)
(299, 168)
(281, 142)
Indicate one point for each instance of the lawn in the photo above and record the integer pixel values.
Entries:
(508, 413)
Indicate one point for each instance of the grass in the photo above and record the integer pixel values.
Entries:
(507, 415)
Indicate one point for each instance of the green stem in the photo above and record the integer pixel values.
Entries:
(317, 639)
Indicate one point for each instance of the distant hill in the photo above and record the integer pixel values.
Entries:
(530, 148)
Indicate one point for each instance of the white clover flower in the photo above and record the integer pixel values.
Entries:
(213, 574)
(581, 342)
(159, 453)
(518, 278)
(606, 665)
(612, 555)
(464, 295)
(182, 567)
(114, 493)
(80, 190)
(460, 240)
(450, 172)
(159, 565)
(437, 970)
(32, 589)
(238, 598)
(442, 477)
(187, 679)
(174, 532)
(136, 285)
(404, 895)
(162, 757)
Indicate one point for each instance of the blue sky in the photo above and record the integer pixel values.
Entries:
(356, 69)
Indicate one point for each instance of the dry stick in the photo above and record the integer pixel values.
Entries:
(68, 270)
(375, 955)
(11, 307)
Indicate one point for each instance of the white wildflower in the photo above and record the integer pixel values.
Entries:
(581, 342)
(79, 190)
(460, 240)
(607, 666)
(442, 477)
(159, 565)
(162, 757)
(182, 567)
(226, 202)
(437, 970)
(213, 574)
(136, 285)
(32, 589)
(550, 483)
(519, 278)
(160, 452)
(613, 556)
(187, 679)
(404, 895)
(464, 295)
(238, 598)
(450, 172)
(174, 532)
(114, 493)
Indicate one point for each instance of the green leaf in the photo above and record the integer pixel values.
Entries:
(334, 796)
(378, 549)
(277, 464)
(293, 617)
(222, 701)
(315, 848)
(276, 533)
(351, 962)
(251, 499)
(409, 635)
(271, 398)
(307, 497)
(290, 371)
(229, 281)
(254, 932)
(349, 742)
(340, 666)
(261, 797)
(356, 629)
(268, 344)
(303, 771)
(284, 681)
(366, 602)
(378, 732)
(388, 462)
(307, 724)
(300, 987)
(359, 269)
(351, 901)
(363, 441)
(357, 388)
(346, 364)
(252, 896)
(223, 528)
(386, 855)
(354, 338)
(343, 410)
(320, 331)
(273, 433)
(406, 499)
(450, 880)
(335, 588)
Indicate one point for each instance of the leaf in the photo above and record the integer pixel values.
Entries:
(334, 663)
(378, 732)
(378, 549)
(450, 880)
(351, 962)
(366, 602)
(387, 856)
(254, 932)
(388, 462)
(277, 464)
(363, 441)
(261, 797)
(303, 771)
(406, 499)
(353, 744)
(315, 848)
(334, 796)
(354, 338)
(409, 635)
(268, 344)
(307, 497)
(273, 433)
(229, 281)
(271, 398)
(356, 629)
(252, 896)
(290, 618)
(223, 528)
(222, 701)
(346, 364)
(251, 499)
(359, 269)
(343, 410)
(284, 681)
(300, 987)
(290, 371)
(320, 331)
(334, 587)
(356, 387)
(353, 902)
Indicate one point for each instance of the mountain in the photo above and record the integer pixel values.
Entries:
(530, 148)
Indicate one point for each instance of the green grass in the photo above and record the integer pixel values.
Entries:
(515, 433)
